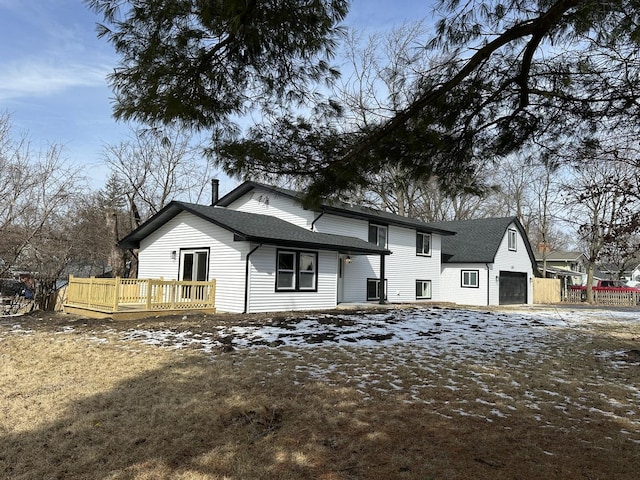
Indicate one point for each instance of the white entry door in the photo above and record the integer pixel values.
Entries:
(194, 265)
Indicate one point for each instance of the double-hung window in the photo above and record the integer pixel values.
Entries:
(378, 235)
(297, 271)
(512, 239)
(470, 278)
(373, 289)
(423, 289)
(423, 244)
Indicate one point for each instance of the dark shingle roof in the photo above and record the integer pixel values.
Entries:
(256, 228)
(477, 241)
(559, 256)
(339, 208)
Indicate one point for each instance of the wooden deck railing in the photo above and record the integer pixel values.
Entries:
(112, 295)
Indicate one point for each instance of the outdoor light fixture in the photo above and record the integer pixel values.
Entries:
(174, 254)
(348, 259)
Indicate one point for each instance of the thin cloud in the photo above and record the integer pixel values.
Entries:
(32, 78)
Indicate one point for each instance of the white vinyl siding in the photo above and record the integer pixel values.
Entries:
(512, 261)
(263, 296)
(270, 203)
(402, 268)
(186, 231)
(452, 290)
(489, 275)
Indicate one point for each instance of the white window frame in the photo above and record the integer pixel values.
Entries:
(378, 228)
(296, 271)
(306, 271)
(423, 283)
(196, 274)
(512, 239)
(291, 271)
(467, 282)
(424, 236)
(377, 283)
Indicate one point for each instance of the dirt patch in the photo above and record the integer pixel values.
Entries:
(80, 399)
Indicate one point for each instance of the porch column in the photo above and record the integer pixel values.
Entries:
(381, 286)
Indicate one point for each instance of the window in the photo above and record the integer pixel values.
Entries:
(423, 244)
(373, 289)
(307, 271)
(470, 278)
(512, 235)
(378, 235)
(297, 271)
(423, 289)
(194, 265)
(286, 278)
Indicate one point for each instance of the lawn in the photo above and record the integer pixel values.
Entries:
(406, 393)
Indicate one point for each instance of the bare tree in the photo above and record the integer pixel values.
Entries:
(149, 170)
(38, 200)
(383, 73)
(604, 202)
(37, 185)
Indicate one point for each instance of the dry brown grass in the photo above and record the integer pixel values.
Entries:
(74, 406)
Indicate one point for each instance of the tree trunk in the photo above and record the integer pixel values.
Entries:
(589, 285)
(116, 256)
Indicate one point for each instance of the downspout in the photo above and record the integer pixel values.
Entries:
(246, 279)
(316, 219)
(488, 288)
(382, 273)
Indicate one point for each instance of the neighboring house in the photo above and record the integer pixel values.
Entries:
(268, 253)
(634, 276)
(568, 266)
(571, 266)
(487, 262)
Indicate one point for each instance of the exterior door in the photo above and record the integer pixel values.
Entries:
(513, 288)
(194, 265)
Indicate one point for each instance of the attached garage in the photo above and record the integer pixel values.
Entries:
(513, 288)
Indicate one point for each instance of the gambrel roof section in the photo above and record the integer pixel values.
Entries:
(251, 227)
(478, 241)
(337, 208)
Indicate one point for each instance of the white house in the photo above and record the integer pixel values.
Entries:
(487, 262)
(268, 253)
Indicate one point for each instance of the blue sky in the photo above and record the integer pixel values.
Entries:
(53, 69)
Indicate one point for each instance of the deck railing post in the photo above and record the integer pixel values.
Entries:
(70, 292)
(116, 294)
(91, 279)
(212, 294)
(148, 294)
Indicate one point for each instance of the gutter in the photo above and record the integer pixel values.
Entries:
(246, 279)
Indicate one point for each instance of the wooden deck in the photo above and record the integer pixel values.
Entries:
(131, 298)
